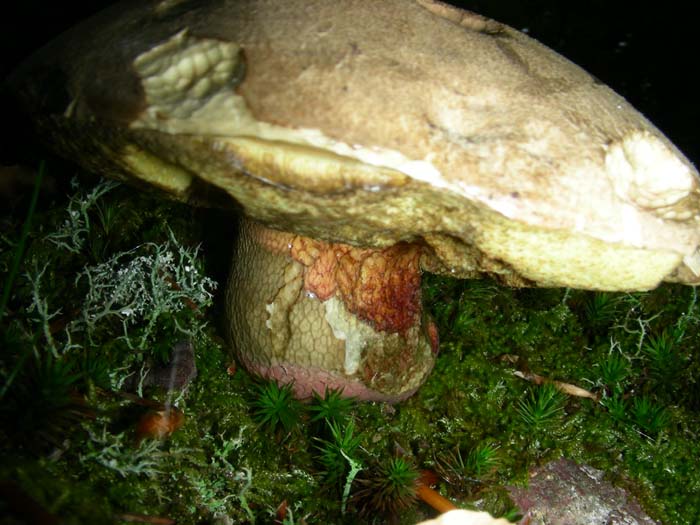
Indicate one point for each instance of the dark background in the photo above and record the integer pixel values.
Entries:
(647, 55)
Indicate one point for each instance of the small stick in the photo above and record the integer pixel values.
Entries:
(434, 499)
(567, 388)
(430, 496)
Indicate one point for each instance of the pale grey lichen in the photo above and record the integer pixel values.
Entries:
(141, 285)
(226, 482)
(137, 289)
(43, 315)
(115, 453)
(72, 233)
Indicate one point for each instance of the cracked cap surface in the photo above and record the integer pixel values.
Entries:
(372, 123)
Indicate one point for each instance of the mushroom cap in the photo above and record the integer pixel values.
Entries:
(371, 123)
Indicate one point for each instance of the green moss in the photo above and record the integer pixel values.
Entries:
(332, 407)
(336, 454)
(275, 407)
(565, 336)
(474, 422)
(388, 488)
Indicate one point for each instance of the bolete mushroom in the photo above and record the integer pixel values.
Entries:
(365, 142)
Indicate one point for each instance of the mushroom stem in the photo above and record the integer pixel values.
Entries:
(328, 315)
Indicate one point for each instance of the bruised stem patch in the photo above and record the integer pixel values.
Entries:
(330, 315)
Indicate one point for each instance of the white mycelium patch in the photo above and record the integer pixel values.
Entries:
(693, 262)
(347, 327)
(647, 173)
(270, 309)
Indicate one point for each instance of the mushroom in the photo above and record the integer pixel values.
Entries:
(365, 142)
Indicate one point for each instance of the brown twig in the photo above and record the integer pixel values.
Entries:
(566, 388)
(430, 496)
(281, 512)
(434, 499)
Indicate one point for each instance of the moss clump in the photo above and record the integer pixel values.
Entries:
(276, 408)
(332, 407)
(474, 422)
(336, 454)
(624, 347)
(388, 488)
(542, 407)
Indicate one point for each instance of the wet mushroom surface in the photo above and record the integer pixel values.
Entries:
(312, 277)
(425, 138)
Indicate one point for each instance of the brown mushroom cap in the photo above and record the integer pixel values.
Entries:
(371, 123)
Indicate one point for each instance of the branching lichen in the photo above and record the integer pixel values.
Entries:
(42, 314)
(71, 234)
(143, 284)
(115, 453)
